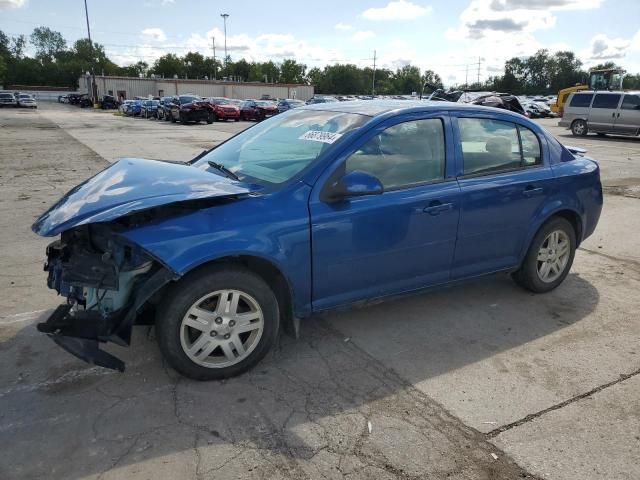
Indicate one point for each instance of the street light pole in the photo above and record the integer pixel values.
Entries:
(224, 17)
(93, 75)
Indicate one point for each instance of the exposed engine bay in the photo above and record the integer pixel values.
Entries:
(106, 282)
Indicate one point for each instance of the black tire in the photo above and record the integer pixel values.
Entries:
(194, 286)
(237, 119)
(579, 128)
(211, 118)
(527, 275)
(600, 134)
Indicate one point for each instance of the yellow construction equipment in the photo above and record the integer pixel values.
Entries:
(605, 79)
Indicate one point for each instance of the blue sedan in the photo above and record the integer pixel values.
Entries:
(319, 208)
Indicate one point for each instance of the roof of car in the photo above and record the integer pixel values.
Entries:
(374, 108)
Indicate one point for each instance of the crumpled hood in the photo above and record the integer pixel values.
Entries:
(131, 185)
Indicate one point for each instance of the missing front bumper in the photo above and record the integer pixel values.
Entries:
(80, 334)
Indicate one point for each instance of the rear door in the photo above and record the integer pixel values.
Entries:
(604, 108)
(503, 177)
(628, 115)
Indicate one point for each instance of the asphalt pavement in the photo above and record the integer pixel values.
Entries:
(478, 381)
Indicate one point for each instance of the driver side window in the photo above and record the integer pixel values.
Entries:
(406, 154)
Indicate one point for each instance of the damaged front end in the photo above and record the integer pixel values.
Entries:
(107, 284)
(108, 281)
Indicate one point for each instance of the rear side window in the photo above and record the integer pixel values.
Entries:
(581, 100)
(531, 152)
(491, 146)
(604, 100)
(406, 154)
(631, 102)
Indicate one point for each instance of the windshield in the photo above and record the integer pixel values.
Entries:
(264, 103)
(277, 149)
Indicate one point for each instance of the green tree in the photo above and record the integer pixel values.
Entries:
(18, 44)
(292, 71)
(240, 69)
(195, 66)
(48, 43)
(432, 79)
(169, 65)
(407, 80)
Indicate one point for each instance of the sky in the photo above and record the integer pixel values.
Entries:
(458, 39)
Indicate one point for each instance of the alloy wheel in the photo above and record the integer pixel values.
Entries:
(553, 256)
(222, 328)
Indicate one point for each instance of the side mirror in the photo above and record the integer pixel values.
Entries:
(355, 184)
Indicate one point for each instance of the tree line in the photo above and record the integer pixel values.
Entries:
(56, 63)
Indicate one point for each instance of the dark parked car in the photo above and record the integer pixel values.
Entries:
(257, 110)
(289, 103)
(7, 99)
(190, 108)
(109, 102)
(164, 109)
(321, 99)
(149, 108)
(224, 109)
(322, 207)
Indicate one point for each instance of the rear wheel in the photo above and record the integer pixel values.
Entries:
(549, 258)
(211, 118)
(579, 128)
(217, 323)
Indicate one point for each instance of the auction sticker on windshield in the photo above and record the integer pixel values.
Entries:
(320, 136)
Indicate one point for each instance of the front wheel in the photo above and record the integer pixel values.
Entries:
(217, 323)
(579, 128)
(211, 118)
(549, 258)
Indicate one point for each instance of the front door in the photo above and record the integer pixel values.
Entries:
(503, 185)
(603, 112)
(628, 116)
(402, 239)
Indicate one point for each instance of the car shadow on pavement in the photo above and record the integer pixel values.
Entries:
(316, 404)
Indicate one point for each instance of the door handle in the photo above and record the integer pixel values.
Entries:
(613, 115)
(435, 208)
(531, 190)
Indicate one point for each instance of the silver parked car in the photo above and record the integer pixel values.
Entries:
(602, 112)
(27, 101)
(7, 99)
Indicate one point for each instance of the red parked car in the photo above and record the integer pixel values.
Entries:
(224, 108)
(257, 110)
(190, 108)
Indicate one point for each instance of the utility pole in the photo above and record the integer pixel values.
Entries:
(479, 60)
(466, 76)
(224, 17)
(215, 67)
(373, 83)
(93, 75)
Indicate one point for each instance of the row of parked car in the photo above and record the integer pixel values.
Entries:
(193, 108)
(17, 99)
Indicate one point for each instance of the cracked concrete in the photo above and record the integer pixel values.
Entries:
(455, 384)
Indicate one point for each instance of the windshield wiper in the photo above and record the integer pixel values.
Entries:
(224, 170)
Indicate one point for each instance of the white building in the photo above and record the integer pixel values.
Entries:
(130, 87)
